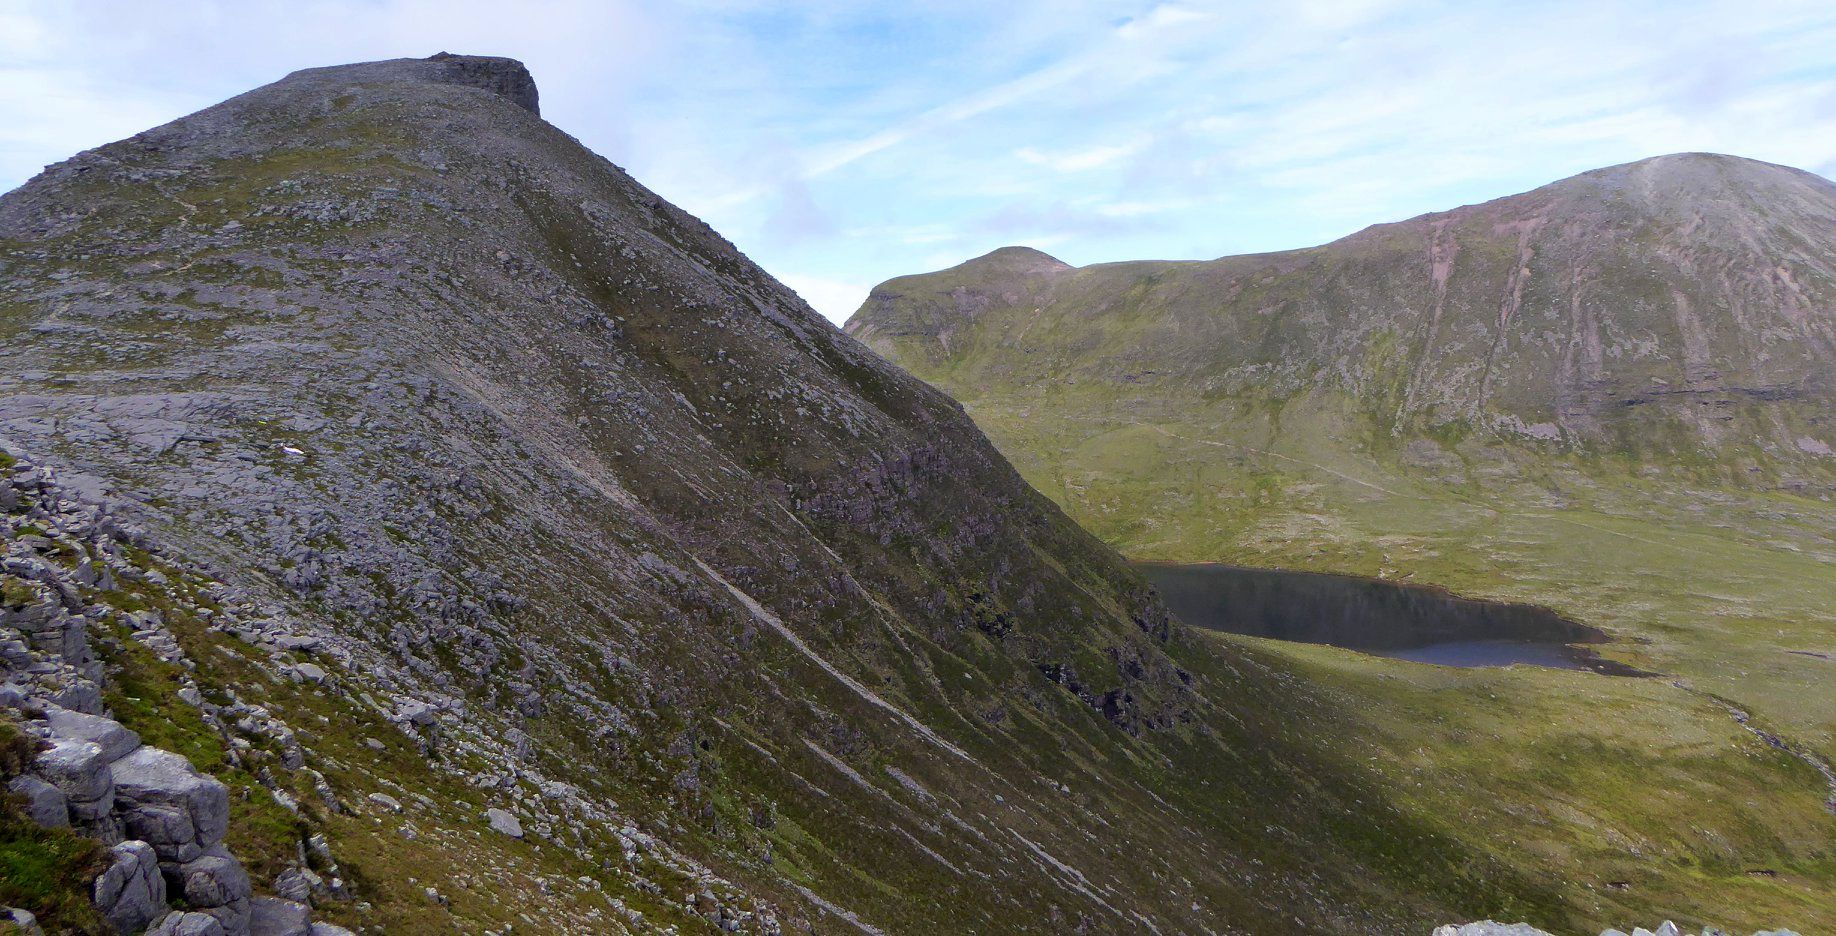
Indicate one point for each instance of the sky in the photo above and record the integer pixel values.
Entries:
(842, 143)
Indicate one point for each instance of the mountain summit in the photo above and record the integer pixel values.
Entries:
(516, 552)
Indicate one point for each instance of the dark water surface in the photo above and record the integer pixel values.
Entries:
(1408, 622)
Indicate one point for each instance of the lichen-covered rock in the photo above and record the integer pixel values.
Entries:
(166, 802)
(132, 892)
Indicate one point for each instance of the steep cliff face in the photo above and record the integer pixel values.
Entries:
(632, 592)
(1682, 307)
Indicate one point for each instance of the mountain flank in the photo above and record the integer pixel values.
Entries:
(1677, 309)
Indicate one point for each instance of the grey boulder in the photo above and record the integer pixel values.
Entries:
(504, 822)
(78, 769)
(166, 802)
(187, 924)
(131, 893)
(271, 916)
(295, 884)
(44, 803)
(214, 879)
(111, 736)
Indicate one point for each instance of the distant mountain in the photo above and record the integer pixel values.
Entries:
(516, 552)
(1682, 307)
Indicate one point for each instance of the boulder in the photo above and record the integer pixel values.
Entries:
(295, 884)
(131, 893)
(44, 803)
(271, 916)
(24, 920)
(187, 924)
(330, 929)
(111, 736)
(504, 822)
(78, 769)
(166, 802)
(213, 879)
(78, 695)
(416, 713)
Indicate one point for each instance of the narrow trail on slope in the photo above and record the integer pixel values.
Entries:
(761, 613)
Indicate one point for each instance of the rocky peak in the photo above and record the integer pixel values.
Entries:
(504, 76)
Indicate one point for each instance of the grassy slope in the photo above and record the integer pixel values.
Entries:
(1579, 779)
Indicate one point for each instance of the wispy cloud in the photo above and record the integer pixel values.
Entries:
(1081, 160)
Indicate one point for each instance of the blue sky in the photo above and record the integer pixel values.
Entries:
(841, 143)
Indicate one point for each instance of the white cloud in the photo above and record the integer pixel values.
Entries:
(836, 300)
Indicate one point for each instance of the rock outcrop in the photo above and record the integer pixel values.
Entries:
(164, 821)
(132, 892)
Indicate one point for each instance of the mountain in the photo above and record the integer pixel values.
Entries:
(1682, 307)
(458, 535)
(1611, 396)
